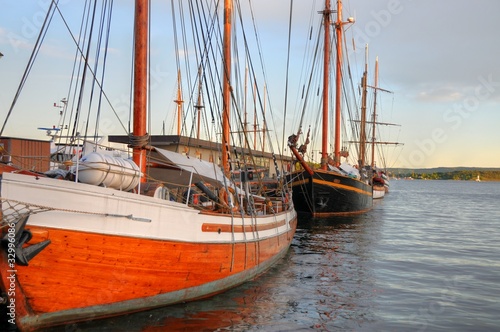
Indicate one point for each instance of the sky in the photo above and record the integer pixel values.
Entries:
(441, 60)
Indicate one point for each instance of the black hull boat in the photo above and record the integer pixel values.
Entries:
(333, 188)
(327, 193)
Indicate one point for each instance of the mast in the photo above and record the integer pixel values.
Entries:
(226, 96)
(179, 102)
(245, 123)
(264, 122)
(338, 87)
(292, 140)
(362, 140)
(326, 71)
(199, 105)
(374, 111)
(255, 115)
(140, 83)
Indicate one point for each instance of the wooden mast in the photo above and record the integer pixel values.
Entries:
(140, 82)
(226, 93)
(374, 111)
(199, 105)
(264, 122)
(326, 71)
(254, 115)
(245, 124)
(338, 87)
(362, 131)
(179, 102)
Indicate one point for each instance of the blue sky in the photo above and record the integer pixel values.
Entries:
(440, 58)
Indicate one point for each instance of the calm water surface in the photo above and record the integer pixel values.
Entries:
(426, 258)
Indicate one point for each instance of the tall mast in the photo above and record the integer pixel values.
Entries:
(245, 123)
(338, 87)
(199, 105)
(140, 81)
(179, 102)
(264, 122)
(374, 111)
(226, 96)
(362, 131)
(326, 71)
(254, 115)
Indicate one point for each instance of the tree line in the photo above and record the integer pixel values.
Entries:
(464, 175)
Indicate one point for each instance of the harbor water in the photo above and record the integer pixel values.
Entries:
(425, 258)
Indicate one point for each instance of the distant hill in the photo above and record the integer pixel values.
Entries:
(442, 170)
(448, 173)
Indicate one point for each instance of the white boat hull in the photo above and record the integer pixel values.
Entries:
(378, 192)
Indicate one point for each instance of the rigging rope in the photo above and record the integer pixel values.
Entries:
(83, 62)
(287, 74)
(107, 30)
(34, 54)
(84, 74)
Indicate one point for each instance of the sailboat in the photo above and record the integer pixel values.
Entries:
(380, 180)
(377, 183)
(111, 241)
(335, 188)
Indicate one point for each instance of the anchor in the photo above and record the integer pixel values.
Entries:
(23, 255)
(322, 203)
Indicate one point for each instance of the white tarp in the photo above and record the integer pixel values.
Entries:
(350, 170)
(203, 168)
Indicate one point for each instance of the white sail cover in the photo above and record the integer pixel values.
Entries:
(350, 170)
(200, 167)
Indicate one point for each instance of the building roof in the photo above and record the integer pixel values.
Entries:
(163, 141)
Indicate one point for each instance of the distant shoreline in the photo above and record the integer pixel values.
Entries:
(472, 180)
(442, 169)
(447, 173)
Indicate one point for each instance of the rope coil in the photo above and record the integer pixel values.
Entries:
(138, 141)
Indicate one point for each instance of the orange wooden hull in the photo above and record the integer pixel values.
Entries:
(81, 274)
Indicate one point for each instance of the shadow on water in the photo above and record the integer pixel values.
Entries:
(332, 261)
(305, 221)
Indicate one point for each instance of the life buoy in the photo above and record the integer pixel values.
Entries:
(222, 196)
(162, 193)
(234, 199)
(225, 199)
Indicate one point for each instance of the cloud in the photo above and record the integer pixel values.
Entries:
(12, 42)
(439, 94)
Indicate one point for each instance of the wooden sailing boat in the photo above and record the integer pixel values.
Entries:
(334, 188)
(79, 251)
(378, 183)
(380, 180)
